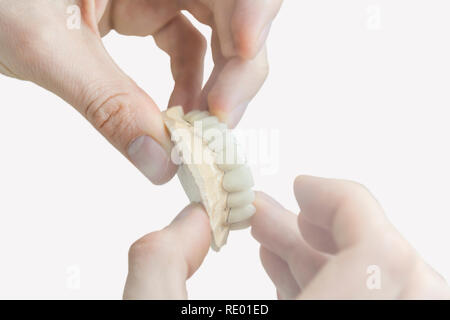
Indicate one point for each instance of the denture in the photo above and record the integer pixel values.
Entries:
(212, 170)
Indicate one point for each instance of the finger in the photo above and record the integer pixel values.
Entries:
(93, 12)
(161, 262)
(80, 71)
(200, 10)
(186, 47)
(280, 274)
(242, 25)
(175, 35)
(378, 268)
(425, 284)
(220, 94)
(223, 12)
(276, 229)
(317, 237)
(141, 18)
(345, 208)
(251, 23)
(219, 64)
(229, 101)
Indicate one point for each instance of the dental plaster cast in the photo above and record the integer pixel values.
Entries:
(212, 170)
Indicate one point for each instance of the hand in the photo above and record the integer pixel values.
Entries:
(340, 246)
(162, 261)
(36, 45)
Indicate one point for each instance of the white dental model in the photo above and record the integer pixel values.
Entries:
(212, 171)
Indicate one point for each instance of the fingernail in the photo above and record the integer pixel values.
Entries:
(151, 159)
(236, 115)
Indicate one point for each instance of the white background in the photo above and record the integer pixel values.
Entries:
(350, 99)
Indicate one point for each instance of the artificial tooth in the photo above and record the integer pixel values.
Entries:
(230, 158)
(229, 161)
(190, 114)
(222, 188)
(213, 132)
(196, 116)
(240, 199)
(208, 121)
(202, 181)
(219, 126)
(238, 179)
(241, 213)
(228, 166)
(240, 225)
(216, 144)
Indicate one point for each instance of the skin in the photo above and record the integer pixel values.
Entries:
(36, 45)
(322, 253)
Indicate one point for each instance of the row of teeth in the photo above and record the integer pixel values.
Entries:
(237, 179)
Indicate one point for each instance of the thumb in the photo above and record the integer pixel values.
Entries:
(162, 261)
(73, 64)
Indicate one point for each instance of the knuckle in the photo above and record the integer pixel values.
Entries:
(194, 52)
(39, 38)
(200, 41)
(111, 114)
(32, 47)
(156, 244)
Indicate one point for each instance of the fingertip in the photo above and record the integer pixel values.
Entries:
(168, 173)
(221, 105)
(218, 104)
(250, 25)
(265, 207)
(194, 213)
(192, 230)
(263, 200)
(302, 179)
(228, 100)
(305, 187)
(236, 115)
(298, 185)
(297, 181)
(152, 159)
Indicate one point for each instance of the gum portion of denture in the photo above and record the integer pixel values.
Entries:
(237, 179)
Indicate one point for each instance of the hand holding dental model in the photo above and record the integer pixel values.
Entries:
(212, 170)
(37, 44)
(328, 251)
